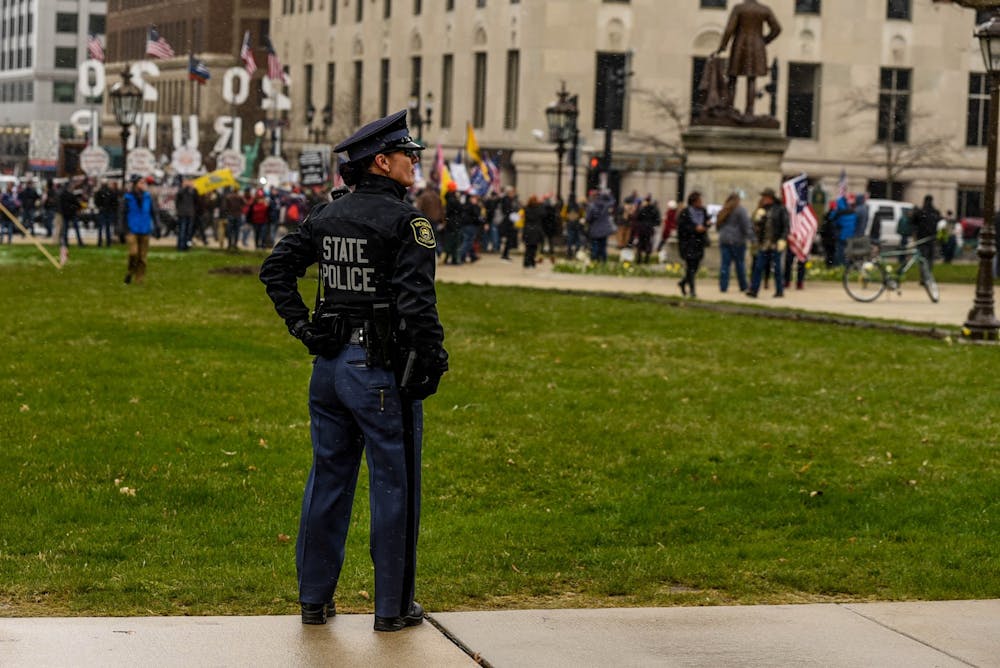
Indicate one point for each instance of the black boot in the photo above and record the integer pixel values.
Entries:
(317, 613)
(414, 617)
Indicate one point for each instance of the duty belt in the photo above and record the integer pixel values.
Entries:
(357, 336)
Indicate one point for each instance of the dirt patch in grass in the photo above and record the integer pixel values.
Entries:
(237, 270)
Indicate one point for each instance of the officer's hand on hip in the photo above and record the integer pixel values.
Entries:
(315, 341)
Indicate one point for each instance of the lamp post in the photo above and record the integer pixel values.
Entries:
(982, 323)
(126, 98)
(416, 119)
(561, 117)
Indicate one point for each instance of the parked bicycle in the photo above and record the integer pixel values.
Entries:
(871, 271)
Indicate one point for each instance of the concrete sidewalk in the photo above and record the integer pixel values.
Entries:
(953, 633)
(912, 307)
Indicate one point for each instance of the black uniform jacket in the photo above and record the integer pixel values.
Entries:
(371, 247)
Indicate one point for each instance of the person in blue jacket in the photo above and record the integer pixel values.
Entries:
(847, 221)
(140, 212)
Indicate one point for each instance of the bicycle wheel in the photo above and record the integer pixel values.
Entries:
(930, 284)
(864, 280)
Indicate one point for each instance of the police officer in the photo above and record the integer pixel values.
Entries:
(378, 345)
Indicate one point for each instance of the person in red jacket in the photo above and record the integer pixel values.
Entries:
(258, 216)
(669, 224)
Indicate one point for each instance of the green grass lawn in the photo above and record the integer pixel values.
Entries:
(582, 451)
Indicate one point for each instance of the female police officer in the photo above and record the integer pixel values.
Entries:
(378, 342)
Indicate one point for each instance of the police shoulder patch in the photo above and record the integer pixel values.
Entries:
(423, 232)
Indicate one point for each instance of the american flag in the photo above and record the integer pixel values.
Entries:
(842, 184)
(246, 55)
(274, 70)
(803, 218)
(95, 50)
(156, 46)
(494, 172)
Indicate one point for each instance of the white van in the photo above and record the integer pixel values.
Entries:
(887, 212)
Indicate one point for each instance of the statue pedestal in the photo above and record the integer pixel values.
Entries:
(721, 160)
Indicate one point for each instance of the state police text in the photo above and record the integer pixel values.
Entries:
(347, 274)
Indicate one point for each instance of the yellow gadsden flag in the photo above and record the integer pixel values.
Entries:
(220, 178)
(472, 148)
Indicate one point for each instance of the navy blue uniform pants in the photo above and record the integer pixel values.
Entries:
(355, 409)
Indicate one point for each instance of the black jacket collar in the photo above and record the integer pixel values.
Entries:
(377, 184)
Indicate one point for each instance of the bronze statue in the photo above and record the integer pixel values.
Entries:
(748, 57)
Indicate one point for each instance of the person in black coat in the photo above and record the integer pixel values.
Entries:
(924, 222)
(534, 230)
(692, 237)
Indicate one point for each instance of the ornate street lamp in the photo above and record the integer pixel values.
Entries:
(416, 119)
(126, 99)
(561, 117)
(982, 323)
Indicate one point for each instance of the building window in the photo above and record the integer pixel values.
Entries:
(359, 11)
(898, 9)
(65, 57)
(64, 92)
(418, 7)
(978, 116)
(447, 74)
(713, 4)
(807, 6)
(331, 71)
(356, 102)
(387, 9)
(449, 5)
(878, 190)
(416, 70)
(480, 3)
(970, 202)
(512, 89)
(609, 91)
(64, 22)
(479, 92)
(383, 88)
(309, 88)
(333, 12)
(803, 89)
(697, 98)
(96, 24)
(894, 105)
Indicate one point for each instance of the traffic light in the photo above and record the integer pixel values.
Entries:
(595, 162)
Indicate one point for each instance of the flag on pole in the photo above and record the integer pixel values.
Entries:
(274, 70)
(494, 172)
(472, 148)
(197, 70)
(445, 180)
(480, 181)
(438, 165)
(156, 46)
(801, 215)
(246, 55)
(220, 178)
(95, 50)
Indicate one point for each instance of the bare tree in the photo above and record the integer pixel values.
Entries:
(892, 155)
(668, 109)
(670, 115)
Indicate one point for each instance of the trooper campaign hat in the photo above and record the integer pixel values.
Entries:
(382, 136)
